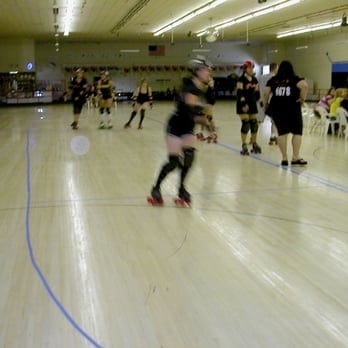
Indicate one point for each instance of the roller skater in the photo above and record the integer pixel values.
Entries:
(180, 138)
(256, 148)
(142, 101)
(244, 151)
(247, 96)
(184, 197)
(105, 90)
(200, 136)
(210, 125)
(79, 89)
(156, 197)
(262, 85)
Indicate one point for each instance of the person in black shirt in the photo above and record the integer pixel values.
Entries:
(190, 109)
(105, 89)
(142, 101)
(289, 92)
(78, 86)
(247, 96)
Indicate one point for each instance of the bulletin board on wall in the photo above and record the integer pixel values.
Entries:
(339, 75)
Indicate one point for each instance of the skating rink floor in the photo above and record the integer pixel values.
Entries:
(260, 260)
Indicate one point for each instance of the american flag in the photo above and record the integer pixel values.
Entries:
(156, 50)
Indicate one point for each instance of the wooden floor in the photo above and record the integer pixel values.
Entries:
(259, 260)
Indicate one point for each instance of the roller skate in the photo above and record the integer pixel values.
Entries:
(140, 127)
(200, 136)
(183, 199)
(156, 197)
(101, 125)
(244, 151)
(74, 125)
(110, 125)
(256, 148)
(127, 125)
(273, 141)
(212, 138)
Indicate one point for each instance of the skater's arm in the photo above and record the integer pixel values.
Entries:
(303, 87)
(266, 95)
(196, 111)
(241, 101)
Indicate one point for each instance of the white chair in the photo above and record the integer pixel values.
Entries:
(307, 115)
(331, 122)
(343, 123)
(320, 121)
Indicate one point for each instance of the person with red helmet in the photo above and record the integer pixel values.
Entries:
(247, 96)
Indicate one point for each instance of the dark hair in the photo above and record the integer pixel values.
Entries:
(330, 90)
(285, 70)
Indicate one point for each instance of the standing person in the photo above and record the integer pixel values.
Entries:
(179, 136)
(273, 67)
(143, 100)
(209, 107)
(78, 86)
(105, 89)
(289, 92)
(247, 96)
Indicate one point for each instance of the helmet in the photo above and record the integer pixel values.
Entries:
(247, 64)
(106, 73)
(198, 63)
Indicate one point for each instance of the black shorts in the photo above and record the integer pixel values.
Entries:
(287, 123)
(77, 107)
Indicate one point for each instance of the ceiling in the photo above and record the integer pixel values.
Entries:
(136, 20)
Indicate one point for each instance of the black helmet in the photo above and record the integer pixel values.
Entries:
(198, 63)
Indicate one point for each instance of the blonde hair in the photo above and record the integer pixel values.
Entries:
(340, 92)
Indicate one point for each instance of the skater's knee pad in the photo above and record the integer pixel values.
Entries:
(189, 155)
(101, 110)
(245, 126)
(254, 126)
(209, 118)
(108, 110)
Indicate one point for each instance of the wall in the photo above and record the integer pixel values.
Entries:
(313, 63)
(51, 65)
(15, 54)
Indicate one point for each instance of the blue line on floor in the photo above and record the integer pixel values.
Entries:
(295, 170)
(32, 256)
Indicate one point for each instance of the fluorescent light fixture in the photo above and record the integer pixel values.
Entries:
(196, 12)
(130, 51)
(247, 16)
(68, 18)
(309, 28)
(201, 50)
(13, 72)
(301, 47)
